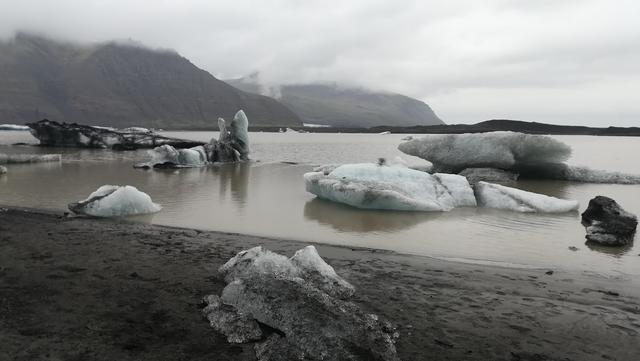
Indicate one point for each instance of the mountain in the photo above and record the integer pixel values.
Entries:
(339, 106)
(121, 85)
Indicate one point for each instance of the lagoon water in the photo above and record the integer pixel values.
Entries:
(267, 197)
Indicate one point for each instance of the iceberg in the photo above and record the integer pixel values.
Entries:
(501, 197)
(28, 158)
(115, 201)
(3, 170)
(304, 305)
(54, 134)
(371, 186)
(530, 156)
(504, 150)
(231, 146)
(13, 127)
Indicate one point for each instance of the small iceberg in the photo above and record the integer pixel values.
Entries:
(231, 146)
(13, 127)
(371, 186)
(28, 158)
(115, 201)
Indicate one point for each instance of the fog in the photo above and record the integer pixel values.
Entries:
(556, 61)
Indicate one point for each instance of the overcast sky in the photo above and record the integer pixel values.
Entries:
(556, 61)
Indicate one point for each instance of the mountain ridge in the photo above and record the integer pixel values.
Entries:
(342, 106)
(120, 85)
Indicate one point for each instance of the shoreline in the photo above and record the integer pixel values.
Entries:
(80, 288)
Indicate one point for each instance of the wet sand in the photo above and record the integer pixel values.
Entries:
(86, 289)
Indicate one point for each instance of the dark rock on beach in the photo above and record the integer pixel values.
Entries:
(54, 134)
(607, 223)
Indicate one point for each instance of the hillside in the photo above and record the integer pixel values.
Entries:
(116, 84)
(346, 107)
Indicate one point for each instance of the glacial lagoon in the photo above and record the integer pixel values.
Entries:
(266, 197)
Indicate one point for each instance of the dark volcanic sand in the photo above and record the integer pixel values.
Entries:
(82, 289)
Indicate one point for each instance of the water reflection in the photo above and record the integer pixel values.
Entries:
(348, 219)
(234, 179)
(616, 252)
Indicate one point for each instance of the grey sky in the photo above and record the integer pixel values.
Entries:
(557, 61)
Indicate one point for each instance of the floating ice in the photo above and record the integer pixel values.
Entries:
(3, 170)
(115, 201)
(28, 158)
(503, 150)
(497, 196)
(372, 186)
(232, 146)
(13, 127)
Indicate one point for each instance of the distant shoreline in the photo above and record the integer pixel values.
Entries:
(131, 291)
(482, 127)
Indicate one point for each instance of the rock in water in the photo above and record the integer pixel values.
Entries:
(475, 175)
(607, 223)
(115, 201)
(501, 197)
(3, 170)
(372, 186)
(54, 134)
(305, 302)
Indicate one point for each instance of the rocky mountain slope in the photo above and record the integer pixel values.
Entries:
(119, 84)
(339, 106)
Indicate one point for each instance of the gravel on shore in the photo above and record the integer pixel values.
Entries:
(92, 289)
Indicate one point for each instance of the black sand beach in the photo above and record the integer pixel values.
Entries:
(86, 289)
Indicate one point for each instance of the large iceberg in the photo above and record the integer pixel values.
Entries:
(530, 156)
(372, 186)
(231, 146)
(115, 201)
(54, 134)
(502, 197)
(302, 306)
(502, 150)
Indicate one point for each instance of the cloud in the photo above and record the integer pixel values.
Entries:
(562, 61)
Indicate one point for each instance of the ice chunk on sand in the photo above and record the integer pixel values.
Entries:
(306, 264)
(503, 150)
(498, 196)
(372, 186)
(115, 201)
